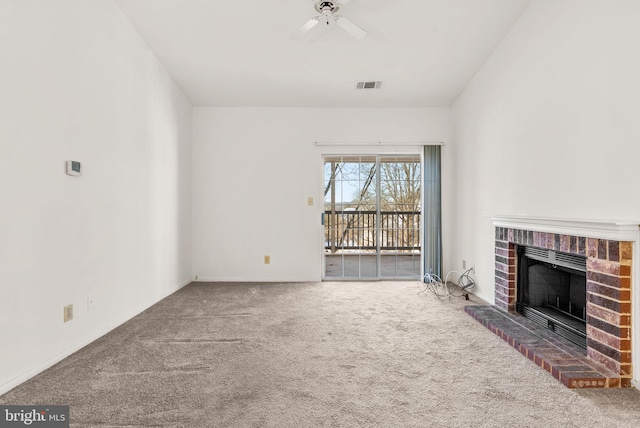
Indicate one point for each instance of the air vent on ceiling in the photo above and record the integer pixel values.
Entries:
(368, 85)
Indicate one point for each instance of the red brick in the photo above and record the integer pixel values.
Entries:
(625, 369)
(567, 361)
(588, 383)
(503, 252)
(502, 267)
(502, 290)
(625, 270)
(607, 339)
(582, 245)
(614, 251)
(592, 248)
(502, 306)
(565, 381)
(602, 278)
(503, 282)
(603, 266)
(604, 314)
(613, 382)
(625, 307)
(604, 302)
(602, 249)
(505, 290)
(625, 282)
(508, 269)
(537, 359)
(542, 242)
(604, 360)
(536, 239)
(502, 293)
(626, 251)
(602, 290)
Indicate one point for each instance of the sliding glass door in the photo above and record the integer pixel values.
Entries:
(372, 217)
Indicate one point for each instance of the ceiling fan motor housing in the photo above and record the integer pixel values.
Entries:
(326, 6)
(326, 10)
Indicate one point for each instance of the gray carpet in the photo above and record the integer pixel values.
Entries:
(313, 355)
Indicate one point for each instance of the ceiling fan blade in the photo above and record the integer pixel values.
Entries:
(305, 28)
(350, 27)
(343, 2)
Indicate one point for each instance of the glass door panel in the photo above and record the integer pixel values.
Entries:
(350, 230)
(372, 217)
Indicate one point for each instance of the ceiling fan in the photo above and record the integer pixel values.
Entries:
(327, 10)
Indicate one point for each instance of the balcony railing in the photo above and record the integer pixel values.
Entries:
(356, 230)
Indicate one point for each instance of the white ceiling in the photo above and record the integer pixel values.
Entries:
(239, 52)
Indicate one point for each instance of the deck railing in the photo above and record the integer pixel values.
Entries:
(356, 230)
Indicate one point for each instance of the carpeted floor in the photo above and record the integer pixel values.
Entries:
(313, 355)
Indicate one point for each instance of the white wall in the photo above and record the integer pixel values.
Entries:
(254, 168)
(549, 126)
(78, 83)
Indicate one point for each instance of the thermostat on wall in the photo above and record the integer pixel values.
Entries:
(74, 168)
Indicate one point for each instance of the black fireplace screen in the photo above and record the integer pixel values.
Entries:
(552, 291)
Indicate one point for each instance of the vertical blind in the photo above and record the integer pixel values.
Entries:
(432, 211)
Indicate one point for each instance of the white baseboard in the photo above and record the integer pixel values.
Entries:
(252, 279)
(49, 362)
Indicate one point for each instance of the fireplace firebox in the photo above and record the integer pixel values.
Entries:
(552, 291)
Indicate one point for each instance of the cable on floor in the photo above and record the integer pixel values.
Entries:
(447, 289)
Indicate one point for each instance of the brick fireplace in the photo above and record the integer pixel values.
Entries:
(609, 251)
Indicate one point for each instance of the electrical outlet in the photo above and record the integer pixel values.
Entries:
(464, 264)
(310, 201)
(68, 312)
(267, 260)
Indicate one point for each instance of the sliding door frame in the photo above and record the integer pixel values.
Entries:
(416, 153)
